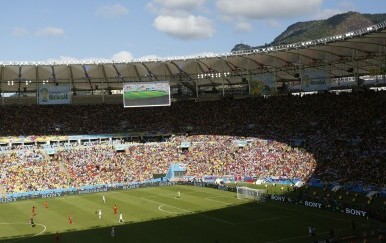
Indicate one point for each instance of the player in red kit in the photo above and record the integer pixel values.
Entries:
(115, 209)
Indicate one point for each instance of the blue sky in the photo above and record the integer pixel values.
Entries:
(66, 30)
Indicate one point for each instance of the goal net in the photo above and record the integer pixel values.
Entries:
(250, 193)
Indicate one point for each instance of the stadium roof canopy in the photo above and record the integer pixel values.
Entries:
(360, 52)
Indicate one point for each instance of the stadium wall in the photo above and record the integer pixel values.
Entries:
(76, 100)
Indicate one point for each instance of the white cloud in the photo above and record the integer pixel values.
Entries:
(68, 59)
(262, 9)
(205, 54)
(189, 27)
(348, 6)
(178, 18)
(176, 5)
(50, 31)
(19, 32)
(119, 57)
(122, 56)
(177, 8)
(243, 27)
(327, 13)
(149, 57)
(64, 59)
(342, 7)
(111, 11)
(273, 23)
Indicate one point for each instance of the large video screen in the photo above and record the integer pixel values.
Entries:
(140, 94)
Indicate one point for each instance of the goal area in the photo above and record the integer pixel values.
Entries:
(251, 193)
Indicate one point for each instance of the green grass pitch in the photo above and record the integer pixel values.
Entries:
(154, 214)
(145, 94)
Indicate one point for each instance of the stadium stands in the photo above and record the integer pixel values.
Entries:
(341, 140)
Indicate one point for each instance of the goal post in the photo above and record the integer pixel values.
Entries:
(251, 193)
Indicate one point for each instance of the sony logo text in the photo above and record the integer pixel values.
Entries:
(355, 212)
(312, 204)
(277, 198)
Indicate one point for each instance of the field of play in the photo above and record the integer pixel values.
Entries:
(156, 214)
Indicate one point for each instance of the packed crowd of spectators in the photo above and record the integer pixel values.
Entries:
(29, 170)
(338, 138)
(102, 164)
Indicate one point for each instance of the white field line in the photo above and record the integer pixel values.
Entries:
(181, 209)
(166, 211)
(216, 194)
(265, 205)
(195, 191)
(39, 233)
(213, 199)
(187, 211)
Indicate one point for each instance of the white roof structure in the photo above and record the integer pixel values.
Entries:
(360, 52)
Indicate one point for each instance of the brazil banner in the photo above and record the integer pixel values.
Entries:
(51, 94)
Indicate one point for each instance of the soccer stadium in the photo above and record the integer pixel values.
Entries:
(276, 144)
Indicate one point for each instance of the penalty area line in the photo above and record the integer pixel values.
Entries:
(218, 201)
(39, 233)
(187, 211)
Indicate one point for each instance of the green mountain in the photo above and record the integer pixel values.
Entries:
(310, 30)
